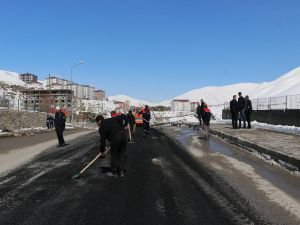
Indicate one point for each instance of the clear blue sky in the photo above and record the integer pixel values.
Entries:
(151, 49)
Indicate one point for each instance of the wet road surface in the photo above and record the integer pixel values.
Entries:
(165, 184)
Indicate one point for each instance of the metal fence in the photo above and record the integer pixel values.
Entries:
(281, 102)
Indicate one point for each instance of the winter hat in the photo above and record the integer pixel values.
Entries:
(57, 108)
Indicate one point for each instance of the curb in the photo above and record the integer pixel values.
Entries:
(284, 160)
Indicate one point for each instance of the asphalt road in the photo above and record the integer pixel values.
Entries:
(164, 185)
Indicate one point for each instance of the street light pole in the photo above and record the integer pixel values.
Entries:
(76, 64)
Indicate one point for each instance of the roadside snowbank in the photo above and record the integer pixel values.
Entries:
(281, 128)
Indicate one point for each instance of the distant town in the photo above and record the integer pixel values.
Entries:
(46, 95)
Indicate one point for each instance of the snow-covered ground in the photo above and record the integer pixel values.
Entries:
(192, 120)
(281, 128)
(19, 132)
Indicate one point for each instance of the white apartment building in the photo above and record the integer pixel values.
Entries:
(80, 91)
(89, 92)
(56, 82)
(181, 105)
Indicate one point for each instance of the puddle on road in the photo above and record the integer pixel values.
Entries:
(277, 184)
(276, 176)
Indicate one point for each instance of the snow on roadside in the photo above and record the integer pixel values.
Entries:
(190, 119)
(17, 157)
(282, 128)
(29, 131)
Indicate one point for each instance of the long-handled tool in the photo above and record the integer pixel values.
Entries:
(76, 176)
(146, 120)
(130, 137)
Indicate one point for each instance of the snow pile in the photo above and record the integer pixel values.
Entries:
(11, 78)
(190, 119)
(217, 111)
(281, 128)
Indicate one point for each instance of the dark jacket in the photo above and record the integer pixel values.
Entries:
(241, 103)
(234, 108)
(60, 120)
(109, 129)
(206, 115)
(198, 110)
(145, 114)
(248, 106)
(123, 119)
(131, 119)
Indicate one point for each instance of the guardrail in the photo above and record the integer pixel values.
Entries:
(280, 102)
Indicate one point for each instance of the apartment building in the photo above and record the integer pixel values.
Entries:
(99, 95)
(181, 105)
(46, 100)
(28, 78)
(80, 91)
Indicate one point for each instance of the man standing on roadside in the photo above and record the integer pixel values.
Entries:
(234, 109)
(241, 104)
(248, 110)
(60, 124)
(48, 121)
(112, 129)
(198, 111)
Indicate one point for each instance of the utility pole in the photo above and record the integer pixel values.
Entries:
(76, 64)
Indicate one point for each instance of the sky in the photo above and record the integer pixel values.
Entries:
(151, 49)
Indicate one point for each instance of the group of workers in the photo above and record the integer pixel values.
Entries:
(117, 130)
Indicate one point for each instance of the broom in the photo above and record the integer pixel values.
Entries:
(130, 137)
(76, 176)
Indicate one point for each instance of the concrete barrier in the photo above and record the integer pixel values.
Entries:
(289, 117)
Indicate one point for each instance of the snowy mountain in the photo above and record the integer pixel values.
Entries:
(11, 78)
(217, 95)
(287, 84)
